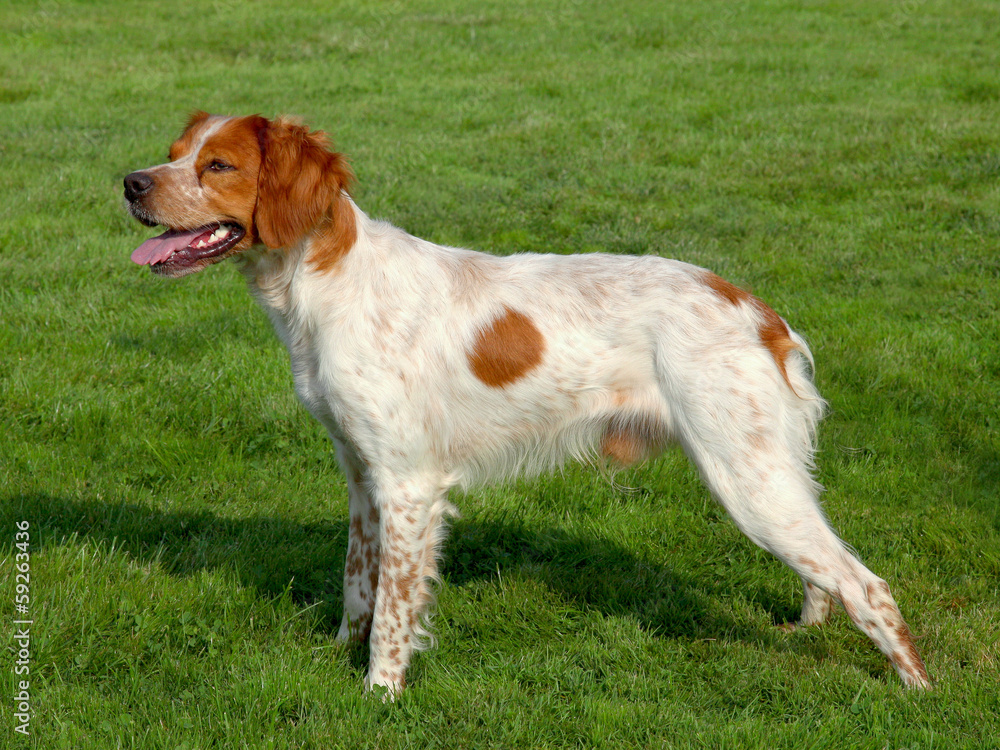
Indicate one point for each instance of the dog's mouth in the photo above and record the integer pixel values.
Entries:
(180, 251)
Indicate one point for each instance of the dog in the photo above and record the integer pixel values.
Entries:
(435, 368)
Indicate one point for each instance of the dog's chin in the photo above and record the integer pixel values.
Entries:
(174, 268)
(140, 214)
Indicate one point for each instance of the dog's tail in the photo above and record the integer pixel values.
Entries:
(806, 406)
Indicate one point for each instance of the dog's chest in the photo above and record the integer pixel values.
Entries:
(344, 376)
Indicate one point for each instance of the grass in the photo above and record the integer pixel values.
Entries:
(188, 523)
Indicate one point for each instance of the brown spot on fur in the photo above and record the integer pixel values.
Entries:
(812, 565)
(406, 583)
(390, 531)
(361, 628)
(915, 664)
(850, 609)
(623, 447)
(506, 351)
(771, 329)
(359, 534)
(629, 439)
(356, 526)
(878, 591)
(729, 292)
(353, 563)
(883, 601)
(775, 337)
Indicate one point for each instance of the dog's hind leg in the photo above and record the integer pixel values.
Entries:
(774, 504)
(816, 605)
(752, 444)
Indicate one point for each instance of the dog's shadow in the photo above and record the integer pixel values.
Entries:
(276, 556)
(589, 572)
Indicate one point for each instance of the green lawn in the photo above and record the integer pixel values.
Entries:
(187, 518)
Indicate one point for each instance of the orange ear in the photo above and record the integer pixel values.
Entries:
(300, 181)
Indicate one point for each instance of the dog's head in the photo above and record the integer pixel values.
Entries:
(234, 182)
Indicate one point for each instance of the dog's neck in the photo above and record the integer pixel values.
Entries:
(319, 257)
(298, 286)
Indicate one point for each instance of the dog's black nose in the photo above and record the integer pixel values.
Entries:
(137, 184)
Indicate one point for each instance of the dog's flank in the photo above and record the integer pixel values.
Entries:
(434, 367)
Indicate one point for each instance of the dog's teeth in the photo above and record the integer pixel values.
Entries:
(219, 234)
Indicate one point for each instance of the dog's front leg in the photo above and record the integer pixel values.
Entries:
(411, 530)
(361, 567)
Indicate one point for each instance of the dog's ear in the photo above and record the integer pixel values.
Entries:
(300, 181)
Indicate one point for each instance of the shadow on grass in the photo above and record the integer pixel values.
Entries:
(273, 555)
(983, 497)
(594, 574)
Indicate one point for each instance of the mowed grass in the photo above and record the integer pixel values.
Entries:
(188, 521)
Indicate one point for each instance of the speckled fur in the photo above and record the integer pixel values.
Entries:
(623, 355)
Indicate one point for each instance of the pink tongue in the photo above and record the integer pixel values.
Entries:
(158, 249)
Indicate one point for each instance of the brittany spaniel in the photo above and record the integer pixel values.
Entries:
(434, 367)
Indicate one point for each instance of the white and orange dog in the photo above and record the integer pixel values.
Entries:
(434, 367)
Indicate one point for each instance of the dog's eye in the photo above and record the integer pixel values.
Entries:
(220, 166)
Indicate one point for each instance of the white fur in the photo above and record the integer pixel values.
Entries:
(379, 353)
(643, 348)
